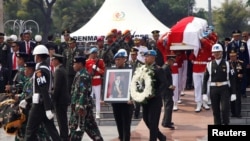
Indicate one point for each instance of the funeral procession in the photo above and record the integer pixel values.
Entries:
(124, 70)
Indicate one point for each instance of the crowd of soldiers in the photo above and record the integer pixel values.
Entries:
(46, 77)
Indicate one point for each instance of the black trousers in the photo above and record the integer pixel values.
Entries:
(37, 116)
(168, 105)
(123, 115)
(137, 109)
(151, 117)
(220, 99)
(62, 119)
(236, 105)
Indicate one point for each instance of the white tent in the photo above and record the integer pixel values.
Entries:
(122, 15)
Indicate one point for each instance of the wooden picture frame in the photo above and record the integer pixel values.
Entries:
(117, 85)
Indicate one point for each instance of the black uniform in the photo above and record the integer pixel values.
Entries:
(37, 113)
(123, 115)
(220, 77)
(61, 100)
(243, 55)
(237, 70)
(152, 108)
(68, 59)
(168, 97)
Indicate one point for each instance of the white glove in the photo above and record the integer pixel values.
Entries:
(23, 104)
(205, 98)
(233, 97)
(49, 114)
(95, 67)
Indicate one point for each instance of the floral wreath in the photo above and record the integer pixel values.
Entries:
(142, 84)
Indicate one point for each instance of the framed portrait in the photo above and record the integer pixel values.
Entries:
(116, 86)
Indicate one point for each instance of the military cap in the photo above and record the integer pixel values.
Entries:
(58, 57)
(22, 55)
(100, 38)
(133, 50)
(155, 32)
(30, 64)
(114, 30)
(137, 40)
(119, 32)
(121, 53)
(232, 52)
(126, 32)
(236, 32)
(227, 39)
(50, 47)
(2, 34)
(27, 32)
(109, 34)
(171, 57)
(150, 52)
(65, 32)
(93, 50)
(80, 59)
(71, 40)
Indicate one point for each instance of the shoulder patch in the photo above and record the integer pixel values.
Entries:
(38, 73)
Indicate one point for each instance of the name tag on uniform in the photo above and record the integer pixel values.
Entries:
(35, 98)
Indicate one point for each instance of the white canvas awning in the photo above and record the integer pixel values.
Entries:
(123, 15)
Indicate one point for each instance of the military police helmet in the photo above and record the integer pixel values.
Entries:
(40, 49)
(216, 47)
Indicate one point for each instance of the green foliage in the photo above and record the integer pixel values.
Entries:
(229, 17)
(74, 14)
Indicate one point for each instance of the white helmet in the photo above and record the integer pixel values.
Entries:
(38, 38)
(216, 47)
(40, 49)
(123, 50)
(13, 37)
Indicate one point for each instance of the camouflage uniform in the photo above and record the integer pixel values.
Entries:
(42, 134)
(107, 56)
(81, 99)
(19, 80)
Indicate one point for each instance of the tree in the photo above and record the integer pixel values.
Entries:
(74, 14)
(229, 17)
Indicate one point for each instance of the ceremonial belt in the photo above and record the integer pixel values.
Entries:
(200, 62)
(97, 77)
(218, 84)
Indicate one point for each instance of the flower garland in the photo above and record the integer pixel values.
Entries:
(142, 84)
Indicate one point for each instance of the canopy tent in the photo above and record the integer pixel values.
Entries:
(122, 15)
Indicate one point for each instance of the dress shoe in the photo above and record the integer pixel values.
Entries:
(169, 126)
(162, 138)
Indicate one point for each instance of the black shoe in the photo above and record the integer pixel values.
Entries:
(162, 138)
(171, 126)
(233, 115)
(244, 96)
(238, 116)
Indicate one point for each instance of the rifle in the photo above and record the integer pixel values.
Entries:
(117, 43)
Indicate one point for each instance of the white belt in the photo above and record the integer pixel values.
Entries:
(199, 62)
(218, 84)
(96, 77)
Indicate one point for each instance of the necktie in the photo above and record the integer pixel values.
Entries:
(14, 61)
(28, 48)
